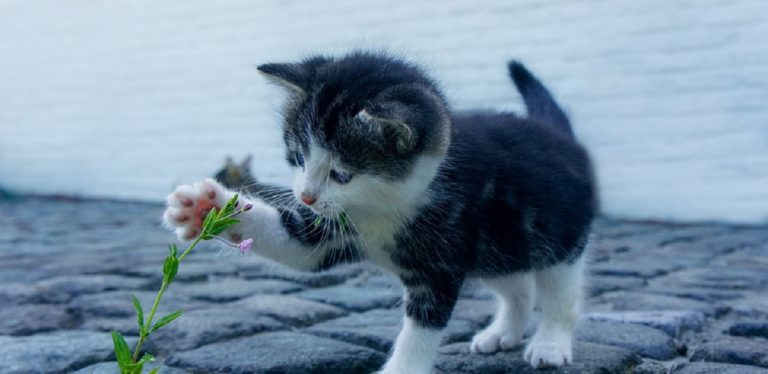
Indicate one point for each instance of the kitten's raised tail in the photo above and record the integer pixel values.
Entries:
(540, 103)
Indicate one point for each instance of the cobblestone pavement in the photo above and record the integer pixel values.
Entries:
(685, 298)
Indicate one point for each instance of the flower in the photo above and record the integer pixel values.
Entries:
(245, 245)
(247, 207)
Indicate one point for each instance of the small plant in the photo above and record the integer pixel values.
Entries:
(215, 223)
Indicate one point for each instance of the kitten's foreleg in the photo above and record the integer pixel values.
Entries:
(428, 309)
(265, 224)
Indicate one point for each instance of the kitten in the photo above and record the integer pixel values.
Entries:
(431, 196)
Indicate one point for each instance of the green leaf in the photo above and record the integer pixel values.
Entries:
(170, 268)
(146, 358)
(154, 371)
(219, 227)
(122, 352)
(229, 207)
(139, 313)
(138, 367)
(165, 320)
(210, 218)
(219, 220)
(170, 264)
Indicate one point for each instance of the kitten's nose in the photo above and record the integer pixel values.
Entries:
(308, 198)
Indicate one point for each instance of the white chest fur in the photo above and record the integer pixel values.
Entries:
(377, 236)
(397, 204)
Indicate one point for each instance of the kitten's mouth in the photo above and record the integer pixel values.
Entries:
(324, 211)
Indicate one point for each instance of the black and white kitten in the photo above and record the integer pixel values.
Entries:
(430, 196)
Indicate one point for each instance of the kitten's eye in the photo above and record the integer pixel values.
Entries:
(340, 177)
(299, 159)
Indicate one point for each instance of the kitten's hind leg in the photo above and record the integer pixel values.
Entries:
(559, 291)
(515, 294)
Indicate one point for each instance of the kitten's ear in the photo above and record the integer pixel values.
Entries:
(246, 164)
(292, 76)
(229, 162)
(229, 166)
(390, 125)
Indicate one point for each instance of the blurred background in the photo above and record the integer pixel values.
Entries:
(125, 100)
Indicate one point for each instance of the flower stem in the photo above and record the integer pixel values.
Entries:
(144, 333)
(189, 249)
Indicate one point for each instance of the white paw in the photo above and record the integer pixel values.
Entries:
(543, 352)
(189, 204)
(492, 339)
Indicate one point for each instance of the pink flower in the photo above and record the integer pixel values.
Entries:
(247, 207)
(245, 245)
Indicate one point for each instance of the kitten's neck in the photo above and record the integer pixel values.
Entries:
(401, 201)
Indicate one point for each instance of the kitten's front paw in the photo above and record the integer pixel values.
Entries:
(543, 353)
(189, 204)
(492, 339)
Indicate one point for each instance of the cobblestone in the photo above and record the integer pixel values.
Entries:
(289, 309)
(734, 350)
(672, 322)
(205, 326)
(643, 340)
(588, 358)
(231, 289)
(662, 298)
(749, 329)
(283, 352)
(355, 298)
(378, 328)
(33, 318)
(717, 368)
(54, 352)
(112, 303)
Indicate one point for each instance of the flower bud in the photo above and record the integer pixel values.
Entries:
(245, 245)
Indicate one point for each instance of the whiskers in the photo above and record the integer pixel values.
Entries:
(272, 195)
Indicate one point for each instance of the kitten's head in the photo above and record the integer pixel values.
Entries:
(364, 132)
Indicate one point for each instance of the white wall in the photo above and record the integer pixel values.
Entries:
(126, 99)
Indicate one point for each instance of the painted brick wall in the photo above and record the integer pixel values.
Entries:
(127, 99)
